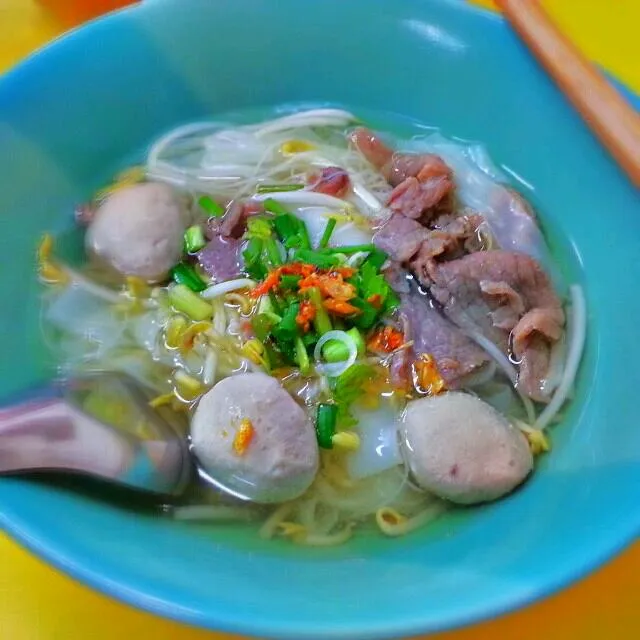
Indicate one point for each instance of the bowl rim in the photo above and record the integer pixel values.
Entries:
(417, 624)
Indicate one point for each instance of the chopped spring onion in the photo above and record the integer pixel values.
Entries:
(211, 206)
(185, 274)
(318, 259)
(223, 288)
(194, 239)
(275, 188)
(326, 418)
(321, 322)
(290, 229)
(190, 303)
(259, 227)
(368, 316)
(376, 259)
(287, 328)
(262, 325)
(289, 282)
(273, 252)
(358, 339)
(273, 206)
(252, 256)
(349, 249)
(302, 357)
(334, 369)
(328, 230)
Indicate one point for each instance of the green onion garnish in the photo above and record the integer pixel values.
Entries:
(273, 252)
(376, 259)
(328, 230)
(262, 325)
(291, 230)
(326, 418)
(356, 336)
(194, 239)
(189, 303)
(252, 255)
(318, 259)
(211, 206)
(347, 250)
(335, 351)
(274, 207)
(185, 274)
(289, 282)
(274, 188)
(369, 315)
(259, 227)
(321, 322)
(302, 357)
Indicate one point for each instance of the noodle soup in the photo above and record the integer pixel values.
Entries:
(358, 329)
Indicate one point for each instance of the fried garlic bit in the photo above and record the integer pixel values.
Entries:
(244, 436)
(426, 376)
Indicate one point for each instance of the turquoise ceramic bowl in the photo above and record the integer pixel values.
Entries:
(79, 109)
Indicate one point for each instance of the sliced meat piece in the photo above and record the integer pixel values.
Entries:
(221, 258)
(456, 355)
(371, 147)
(450, 241)
(462, 449)
(400, 238)
(332, 181)
(490, 290)
(233, 223)
(397, 167)
(420, 200)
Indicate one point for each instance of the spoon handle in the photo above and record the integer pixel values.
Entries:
(48, 434)
(605, 111)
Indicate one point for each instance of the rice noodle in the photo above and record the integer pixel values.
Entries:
(503, 362)
(303, 198)
(220, 289)
(576, 334)
(311, 118)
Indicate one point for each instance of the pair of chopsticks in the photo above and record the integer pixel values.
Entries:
(605, 111)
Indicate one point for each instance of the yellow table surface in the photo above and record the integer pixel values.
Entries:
(38, 603)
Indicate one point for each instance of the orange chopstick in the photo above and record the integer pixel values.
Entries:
(605, 111)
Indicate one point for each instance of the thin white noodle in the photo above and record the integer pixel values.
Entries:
(269, 526)
(308, 198)
(311, 118)
(367, 197)
(425, 516)
(327, 539)
(503, 362)
(220, 289)
(210, 366)
(187, 130)
(576, 342)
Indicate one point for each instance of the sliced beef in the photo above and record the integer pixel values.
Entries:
(456, 355)
(407, 241)
(332, 181)
(502, 294)
(420, 200)
(397, 167)
(400, 237)
(221, 258)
